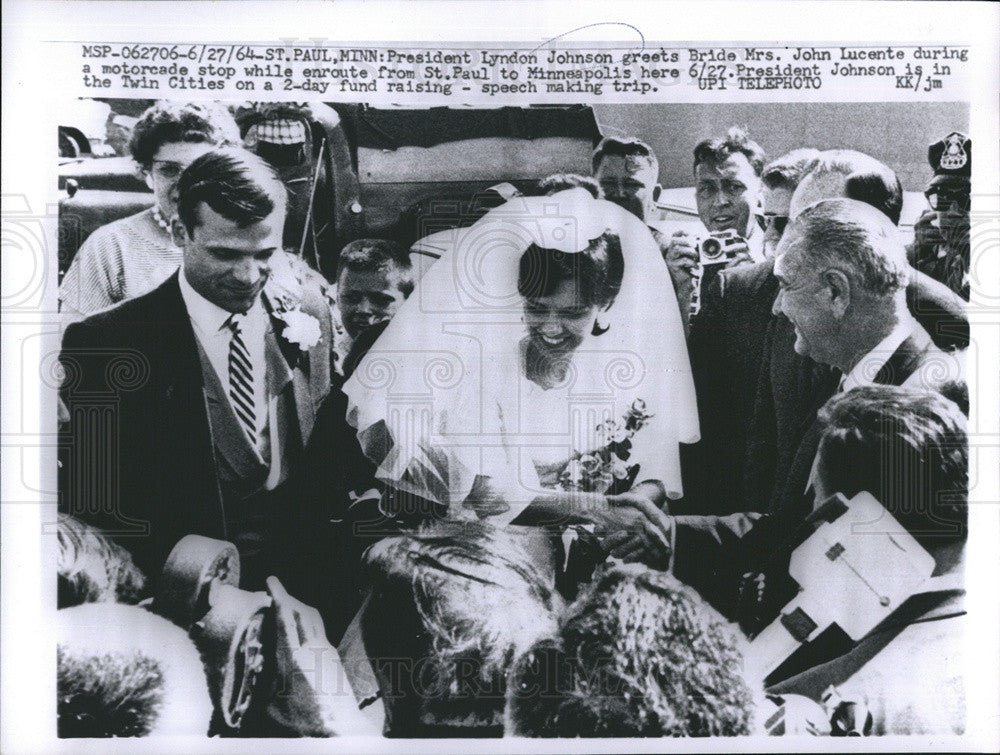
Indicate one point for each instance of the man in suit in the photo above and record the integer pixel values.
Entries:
(792, 386)
(750, 430)
(843, 274)
(725, 346)
(189, 407)
(727, 194)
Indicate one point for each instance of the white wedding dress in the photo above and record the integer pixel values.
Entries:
(442, 397)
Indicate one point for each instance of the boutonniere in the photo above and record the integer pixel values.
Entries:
(300, 329)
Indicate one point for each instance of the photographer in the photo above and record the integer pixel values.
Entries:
(727, 193)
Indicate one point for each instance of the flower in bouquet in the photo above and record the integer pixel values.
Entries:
(604, 469)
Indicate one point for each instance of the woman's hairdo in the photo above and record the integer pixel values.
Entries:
(194, 122)
(636, 655)
(596, 271)
(93, 569)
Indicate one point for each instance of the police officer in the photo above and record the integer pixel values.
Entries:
(941, 234)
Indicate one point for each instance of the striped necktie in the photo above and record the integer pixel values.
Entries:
(241, 387)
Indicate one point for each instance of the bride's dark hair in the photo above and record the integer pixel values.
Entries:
(597, 271)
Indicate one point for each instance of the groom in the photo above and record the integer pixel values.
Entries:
(190, 406)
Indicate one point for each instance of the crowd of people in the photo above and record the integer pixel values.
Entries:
(558, 482)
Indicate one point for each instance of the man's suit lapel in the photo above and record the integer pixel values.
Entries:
(800, 385)
(906, 359)
(229, 439)
(898, 368)
(179, 346)
(306, 371)
(183, 396)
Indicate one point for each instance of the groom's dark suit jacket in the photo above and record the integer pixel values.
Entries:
(139, 456)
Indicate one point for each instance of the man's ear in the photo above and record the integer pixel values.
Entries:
(178, 232)
(837, 287)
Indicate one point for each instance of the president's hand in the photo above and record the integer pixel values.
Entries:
(647, 534)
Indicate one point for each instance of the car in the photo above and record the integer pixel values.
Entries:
(384, 172)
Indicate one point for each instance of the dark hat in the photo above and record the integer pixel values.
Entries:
(951, 156)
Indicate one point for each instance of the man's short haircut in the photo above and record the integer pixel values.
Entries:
(853, 237)
(786, 171)
(126, 672)
(238, 185)
(562, 181)
(716, 151)
(195, 122)
(623, 147)
(465, 599)
(867, 180)
(92, 569)
(638, 654)
(378, 255)
(909, 448)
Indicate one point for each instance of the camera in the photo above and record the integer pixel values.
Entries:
(718, 248)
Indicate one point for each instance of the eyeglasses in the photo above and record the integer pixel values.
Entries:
(944, 199)
(778, 222)
(167, 169)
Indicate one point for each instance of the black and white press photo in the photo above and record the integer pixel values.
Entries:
(459, 391)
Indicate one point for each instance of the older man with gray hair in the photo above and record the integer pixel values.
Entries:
(842, 273)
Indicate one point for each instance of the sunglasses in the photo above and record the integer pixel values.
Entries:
(778, 222)
(943, 200)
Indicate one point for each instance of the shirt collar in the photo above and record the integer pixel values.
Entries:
(211, 318)
(864, 372)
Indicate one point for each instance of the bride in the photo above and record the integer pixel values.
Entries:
(538, 375)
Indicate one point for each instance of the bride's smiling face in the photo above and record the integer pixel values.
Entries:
(557, 323)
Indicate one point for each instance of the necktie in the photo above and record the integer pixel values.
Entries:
(241, 388)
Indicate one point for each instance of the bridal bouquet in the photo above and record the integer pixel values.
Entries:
(605, 469)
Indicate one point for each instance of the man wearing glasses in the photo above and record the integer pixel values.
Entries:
(941, 234)
(780, 177)
(726, 343)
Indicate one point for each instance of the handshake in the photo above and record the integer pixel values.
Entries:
(634, 529)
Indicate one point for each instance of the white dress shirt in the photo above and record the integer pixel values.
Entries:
(864, 372)
(211, 327)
